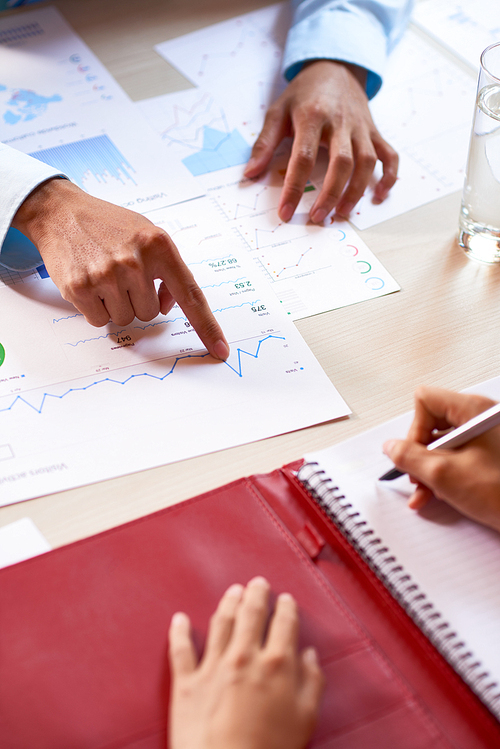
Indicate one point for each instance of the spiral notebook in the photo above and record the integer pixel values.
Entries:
(443, 568)
(84, 627)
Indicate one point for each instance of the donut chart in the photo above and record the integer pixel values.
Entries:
(2, 354)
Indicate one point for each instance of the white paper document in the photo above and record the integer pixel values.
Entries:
(80, 404)
(21, 540)
(59, 104)
(466, 28)
(311, 268)
(242, 53)
(454, 561)
(424, 109)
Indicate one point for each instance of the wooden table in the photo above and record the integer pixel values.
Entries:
(442, 328)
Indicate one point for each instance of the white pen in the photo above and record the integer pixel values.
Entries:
(459, 436)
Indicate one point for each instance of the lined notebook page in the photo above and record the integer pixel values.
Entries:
(453, 560)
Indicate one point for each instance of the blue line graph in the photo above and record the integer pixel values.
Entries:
(68, 317)
(96, 338)
(222, 283)
(98, 156)
(210, 260)
(175, 319)
(240, 351)
(46, 396)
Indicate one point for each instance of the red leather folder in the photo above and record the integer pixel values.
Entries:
(83, 629)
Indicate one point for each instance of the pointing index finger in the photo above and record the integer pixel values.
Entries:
(182, 286)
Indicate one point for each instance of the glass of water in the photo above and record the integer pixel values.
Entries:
(479, 223)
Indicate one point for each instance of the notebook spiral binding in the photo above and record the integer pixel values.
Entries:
(399, 584)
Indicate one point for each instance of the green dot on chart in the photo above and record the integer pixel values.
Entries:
(2, 354)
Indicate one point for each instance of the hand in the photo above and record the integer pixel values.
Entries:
(468, 478)
(244, 693)
(325, 104)
(104, 259)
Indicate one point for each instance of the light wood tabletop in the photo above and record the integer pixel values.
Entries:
(442, 328)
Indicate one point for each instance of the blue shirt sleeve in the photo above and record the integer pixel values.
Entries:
(360, 32)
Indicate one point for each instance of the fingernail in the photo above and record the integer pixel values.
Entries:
(179, 619)
(286, 597)
(286, 212)
(311, 656)
(379, 197)
(234, 591)
(388, 447)
(345, 209)
(319, 215)
(261, 581)
(252, 162)
(221, 350)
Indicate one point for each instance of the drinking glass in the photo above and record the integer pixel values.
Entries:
(479, 222)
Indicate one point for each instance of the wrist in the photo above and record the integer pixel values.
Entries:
(359, 73)
(40, 205)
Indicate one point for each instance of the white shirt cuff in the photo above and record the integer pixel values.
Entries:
(19, 176)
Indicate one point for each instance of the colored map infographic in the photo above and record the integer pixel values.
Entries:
(24, 105)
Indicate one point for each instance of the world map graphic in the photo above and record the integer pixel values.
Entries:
(24, 105)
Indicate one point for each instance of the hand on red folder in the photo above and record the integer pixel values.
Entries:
(468, 478)
(251, 689)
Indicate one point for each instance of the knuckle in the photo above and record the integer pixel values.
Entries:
(222, 619)
(315, 111)
(437, 472)
(343, 162)
(399, 455)
(76, 287)
(193, 297)
(273, 116)
(123, 318)
(240, 660)
(305, 158)
(275, 663)
(184, 689)
(367, 160)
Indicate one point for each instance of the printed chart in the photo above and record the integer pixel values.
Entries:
(310, 268)
(206, 136)
(91, 403)
(97, 157)
(247, 47)
(424, 109)
(59, 104)
(466, 27)
(67, 71)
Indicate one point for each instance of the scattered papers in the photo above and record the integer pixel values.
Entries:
(59, 104)
(466, 28)
(80, 404)
(21, 540)
(310, 268)
(424, 109)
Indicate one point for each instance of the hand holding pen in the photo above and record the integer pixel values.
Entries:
(467, 476)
